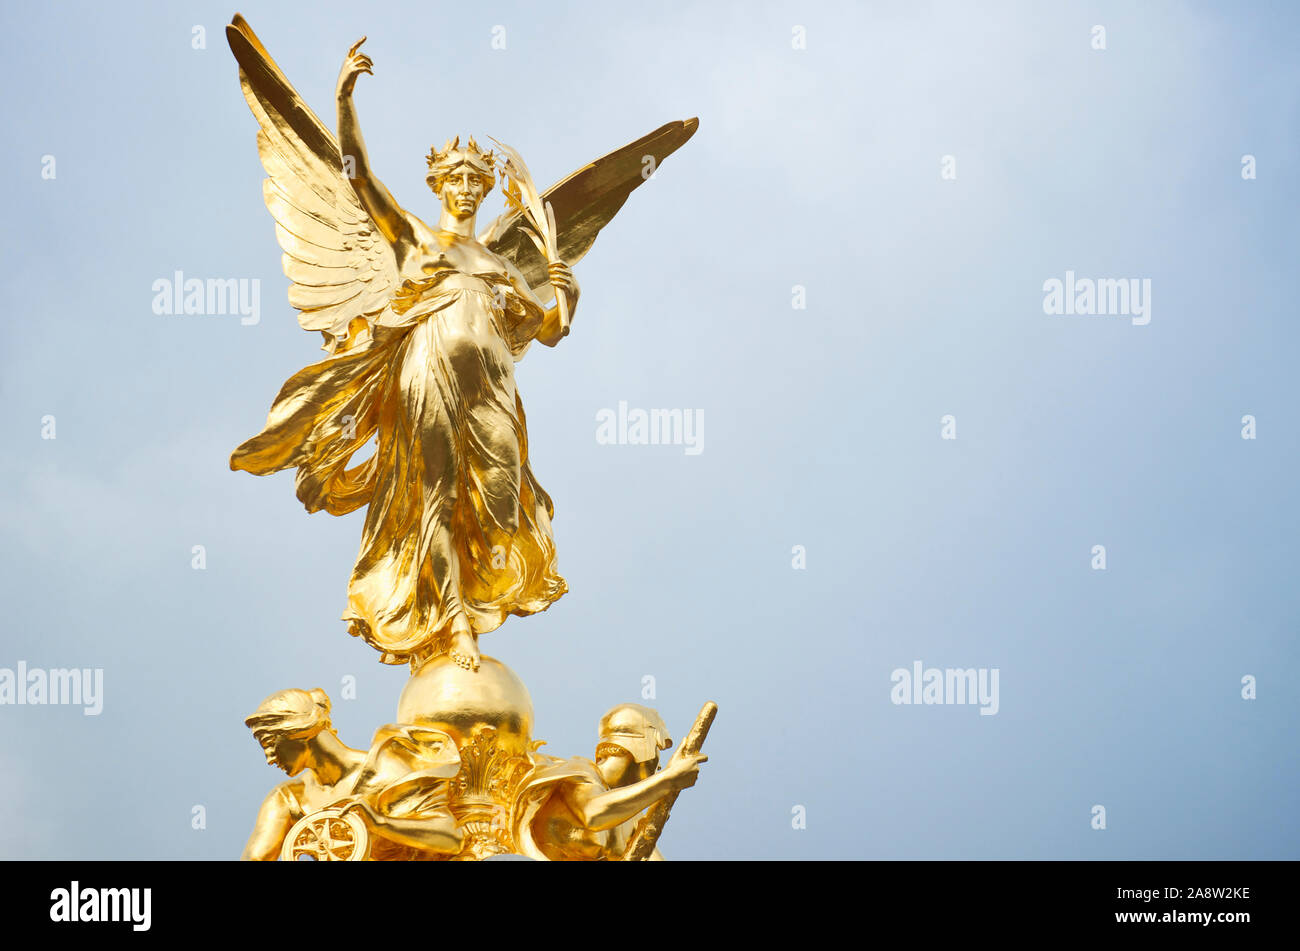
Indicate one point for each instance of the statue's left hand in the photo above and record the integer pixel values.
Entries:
(562, 279)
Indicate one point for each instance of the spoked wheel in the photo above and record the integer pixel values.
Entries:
(327, 836)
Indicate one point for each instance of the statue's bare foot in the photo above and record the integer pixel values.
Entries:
(464, 648)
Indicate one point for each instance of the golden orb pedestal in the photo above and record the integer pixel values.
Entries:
(489, 714)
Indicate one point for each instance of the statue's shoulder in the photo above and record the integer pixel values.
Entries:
(547, 771)
(289, 797)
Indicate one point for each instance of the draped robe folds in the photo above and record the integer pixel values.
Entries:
(456, 520)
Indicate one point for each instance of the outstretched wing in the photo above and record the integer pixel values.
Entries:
(585, 202)
(343, 272)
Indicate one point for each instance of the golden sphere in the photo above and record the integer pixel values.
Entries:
(444, 696)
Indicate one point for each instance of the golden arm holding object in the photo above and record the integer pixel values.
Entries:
(642, 843)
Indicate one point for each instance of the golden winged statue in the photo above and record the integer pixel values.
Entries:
(422, 326)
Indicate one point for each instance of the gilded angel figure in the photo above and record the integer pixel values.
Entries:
(423, 325)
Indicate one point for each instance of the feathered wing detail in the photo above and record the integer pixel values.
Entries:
(342, 271)
(585, 202)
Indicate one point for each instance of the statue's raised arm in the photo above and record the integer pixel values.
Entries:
(375, 198)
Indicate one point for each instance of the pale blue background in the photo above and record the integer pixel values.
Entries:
(817, 167)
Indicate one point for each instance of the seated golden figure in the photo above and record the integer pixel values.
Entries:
(343, 803)
(579, 810)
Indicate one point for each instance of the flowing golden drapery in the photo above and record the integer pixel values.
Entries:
(456, 520)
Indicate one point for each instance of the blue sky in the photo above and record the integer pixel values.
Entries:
(816, 167)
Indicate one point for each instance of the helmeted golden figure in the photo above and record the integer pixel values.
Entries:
(423, 325)
(587, 810)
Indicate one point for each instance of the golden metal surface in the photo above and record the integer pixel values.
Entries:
(641, 845)
(330, 835)
(422, 325)
(585, 810)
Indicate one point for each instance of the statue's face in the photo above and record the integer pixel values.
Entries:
(290, 755)
(462, 192)
(616, 765)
